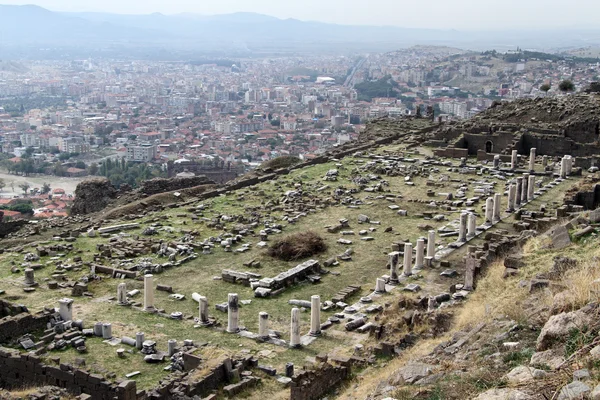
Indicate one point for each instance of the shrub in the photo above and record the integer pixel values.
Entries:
(280, 162)
(297, 246)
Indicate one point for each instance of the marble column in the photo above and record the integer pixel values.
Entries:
(532, 159)
(295, 328)
(513, 159)
(203, 310)
(489, 210)
(172, 345)
(380, 285)
(139, 340)
(263, 324)
(544, 162)
(394, 258)
(518, 191)
(30, 277)
(407, 259)
(315, 315)
(472, 225)
(431, 244)
(496, 161)
(232, 313)
(462, 228)
(65, 309)
(420, 254)
(148, 293)
(107, 330)
(122, 294)
(497, 205)
(524, 190)
(531, 187)
(512, 197)
(563, 167)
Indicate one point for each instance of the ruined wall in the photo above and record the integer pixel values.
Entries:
(583, 131)
(313, 385)
(161, 185)
(14, 326)
(451, 152)
(500, 141)
(93, 195)
(9, 227)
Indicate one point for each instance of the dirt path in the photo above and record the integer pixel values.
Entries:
(12, 183)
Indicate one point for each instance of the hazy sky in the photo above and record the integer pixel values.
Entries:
(455, 14)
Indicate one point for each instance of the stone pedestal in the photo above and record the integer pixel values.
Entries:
(420, 254)
(472, 225)
(172, 345)
(122, 294)
(394, 259)
(462, 228)
(29, 278)
(148, 293)
(532, 159)
(295, 328)
(380, 285)
(98, 329)
(263, 324)
(407, 271)
(497, 206)
(489, 210)
(513, 159)
(232, 313)
(65, 309)
(431, 244)
(315, 315)
(107, 330)
(203, 310)
(496, 161)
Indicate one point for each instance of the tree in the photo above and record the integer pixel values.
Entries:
(80, 165)
(545, 87)
(46, 188)
(25, 187)
(566, 86)
(2, 184)
(93, 170)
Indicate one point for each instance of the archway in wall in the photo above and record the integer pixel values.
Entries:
(489, 146)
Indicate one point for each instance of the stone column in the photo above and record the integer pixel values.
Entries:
(203, 310)
(524, 190)
(172, 344)
(263, 324)
(518, 191)
(462, 228)
(148, 293)
(407, 259)
(295, 328)
(472, 225)
(122, 294)
(431, 244)
(394, 258)
(513, 159)
(30, 277)
(497, 205)
(232, 313)
(563, 167)
(315, 315)
(139, 340)
(489, 210)
(420, 253)
(496, 161)
(532, 159)
(98, 329)
(107, 330)
(65, 309)
(531, 187)
(569, 164)
(544, 162)
(512, 197)
(380, 285)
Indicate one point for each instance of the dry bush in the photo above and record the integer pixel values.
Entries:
(280, 162)
(582, 286)
(297, 246)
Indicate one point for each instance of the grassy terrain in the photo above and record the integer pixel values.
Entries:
(368, 262)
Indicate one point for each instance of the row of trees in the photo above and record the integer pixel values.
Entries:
(121, 172)
(563, 86)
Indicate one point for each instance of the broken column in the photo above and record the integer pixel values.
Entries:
(203, 310)
(122, 294)
(497, 161)
(30, 277)
(232, 313)
(315, 315)
(295, 328)
(563, 167)
(65, 309)
(472, 225)
(512, 197)
(107, 330)
(148, 293)
(513, 159)
(462, 228)
(430, 249)
(489, 210)
(380, 285)
(524, 191)
(531, 187)
(544, 162)
(394, 258)
(407, 271)
(172, 345)
(497, 204)
(263, 324)
(139, 340)
(518, 191)
(532, 159)
(420, 253)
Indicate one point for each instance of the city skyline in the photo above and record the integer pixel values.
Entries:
(459, 15)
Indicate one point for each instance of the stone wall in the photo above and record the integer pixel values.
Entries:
(14, 326)
(451, 152)
(161, 185)
(17, 370)
(501, 140)
(313, 385)
(8, 227)
(93, 195)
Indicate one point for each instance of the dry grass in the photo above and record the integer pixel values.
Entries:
(298, 245)
(582, 285)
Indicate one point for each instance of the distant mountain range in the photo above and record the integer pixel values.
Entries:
(29, 28)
